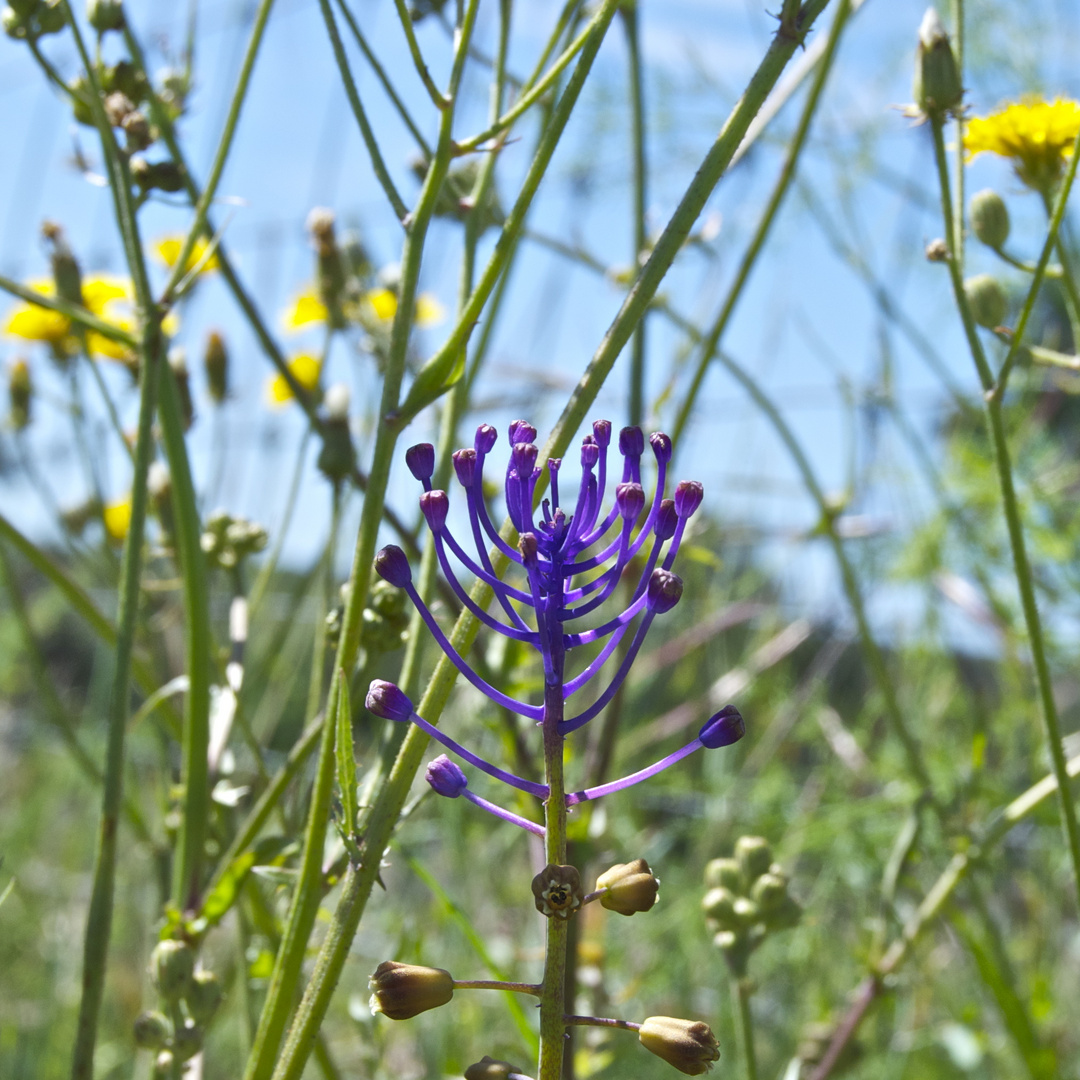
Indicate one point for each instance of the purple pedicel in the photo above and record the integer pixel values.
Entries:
(446, 777)
(391, 564)
(421, 462)
(571, 564)
(388, 701)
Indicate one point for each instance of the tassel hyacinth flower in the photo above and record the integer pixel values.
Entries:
(568, 562)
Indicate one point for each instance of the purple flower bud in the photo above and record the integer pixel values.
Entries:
(590, 453)
(486, 436)
(434, 505)
(465, 467)
(524, 458)
(665, 590)
(388, 701)
(688, 496)
(521, 431)
(661, 446)
(630, 499)
(391, 564)
(666, 520)
(446, 777)
(602, 432)
(527, 546)
(421, 460)
(723, 729)
(631, 442)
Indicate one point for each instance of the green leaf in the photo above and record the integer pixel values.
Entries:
(224, 894)
(346, 760)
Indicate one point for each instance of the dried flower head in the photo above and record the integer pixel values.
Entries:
(689, 1045)
(557, 891)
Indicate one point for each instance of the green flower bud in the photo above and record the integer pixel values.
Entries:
(204, 997)
(178, 363)
(403, 990)
(687, 1044)
(104, 15)
(719, 905)
(137, 129)
(769, 892)
(724, 874)
(487, 1068)
(785, 915)
(746, 911)
(13, 23)
(163, 1065)
(23, 8)
(628, 887)
(937, 85)
(557, 891)
(990, 218)
(986, 298)
(172, 965)
(50, 18)
(329, 269)
(754, 857)
(337, 458)
(187, 1042)
(152, 1030)
(216, 364)
(20, 394)
(65, 267)
(124, 77)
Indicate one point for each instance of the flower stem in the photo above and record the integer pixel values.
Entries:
(740, 992)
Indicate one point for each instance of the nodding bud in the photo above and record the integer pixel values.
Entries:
(421, 460)
(391, 564)
(524, 458)
(465, 467)
(388, 701)
(661, 446)
(665, 591)
(590, 453)
(602, 432)
(630, 499)
(527, 546)
(435, 505)
(521, 431)
(489, 1068)
(628, 888)
(723, 729)
(688, 496)
(400, 991)
(486, 437)
(631, 442)
(446, 777)
(689, 1045)
(666, 520)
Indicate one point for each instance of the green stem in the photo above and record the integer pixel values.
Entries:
(741, 991)
(200, 649)
(224, 145)
(1010, 503)
(637, 140)
(780, 189)
(405, 19)
(377, 163)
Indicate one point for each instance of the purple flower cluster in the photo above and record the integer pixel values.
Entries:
(569, 566)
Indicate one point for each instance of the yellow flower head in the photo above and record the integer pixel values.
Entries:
(378, 308)
(168, 251)
(305, 369)
(117, 517)
(1036, 136)
(306, 309)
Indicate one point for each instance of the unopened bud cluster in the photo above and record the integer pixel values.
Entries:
(228, 540)
(189, 999)
(747, 899)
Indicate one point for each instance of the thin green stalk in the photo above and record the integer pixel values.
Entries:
(434, 92)
(1010, 502)
(401, 211)
(958, 42)
(383, 816)
(757, 242)
(200, 651)
(202, 206)
(741, 991)
(640, 177)
(387, 85)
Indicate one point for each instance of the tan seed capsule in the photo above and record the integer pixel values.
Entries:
(688, 1045)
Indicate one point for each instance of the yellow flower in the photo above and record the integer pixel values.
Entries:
(117, 517)
(305, 369)
(306, 309)
(168, 251)
(1036, 136)
(37, 323)
(429, 312)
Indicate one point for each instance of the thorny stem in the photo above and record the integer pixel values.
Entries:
(1010, 502)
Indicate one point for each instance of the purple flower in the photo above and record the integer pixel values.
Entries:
(387, 700)
(392, 565)
(421, 462)
(446, 778)
(723, 729)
